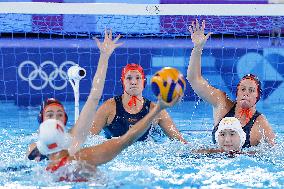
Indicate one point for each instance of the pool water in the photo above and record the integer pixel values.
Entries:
(157, 163)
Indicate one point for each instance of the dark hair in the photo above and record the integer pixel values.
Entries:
(257, 81)
(47, 102)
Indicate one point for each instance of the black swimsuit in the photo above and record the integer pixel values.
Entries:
(123, 120)
(246, 128)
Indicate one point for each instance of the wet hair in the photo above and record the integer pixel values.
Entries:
(48, 102)
(256, 80)
(133, 66)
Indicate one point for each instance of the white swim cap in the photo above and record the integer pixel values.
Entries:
(234, 124)
(52, 137)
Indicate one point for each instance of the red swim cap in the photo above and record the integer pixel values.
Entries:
(132, 66)
(48, 102)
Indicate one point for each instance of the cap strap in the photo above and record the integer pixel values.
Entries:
(247, 113)
(133, 101)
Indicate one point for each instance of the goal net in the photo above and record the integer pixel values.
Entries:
(40, 41)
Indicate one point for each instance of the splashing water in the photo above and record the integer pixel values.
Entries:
(158, 163)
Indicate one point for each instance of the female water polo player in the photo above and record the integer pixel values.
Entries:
(230, 137)
(120, 113)
(53, 109)
(254, 124)
(83, 163)
(50, 109)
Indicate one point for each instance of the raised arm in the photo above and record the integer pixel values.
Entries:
(108, 150)
(200, 86)
(81, 129)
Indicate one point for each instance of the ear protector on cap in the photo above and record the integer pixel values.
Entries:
(132, 66)
(257, 81)
(47, 102)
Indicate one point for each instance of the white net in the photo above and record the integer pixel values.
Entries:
(39, 41)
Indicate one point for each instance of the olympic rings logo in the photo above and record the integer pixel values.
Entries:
(47, 78)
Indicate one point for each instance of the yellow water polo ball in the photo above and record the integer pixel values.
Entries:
(168, 82)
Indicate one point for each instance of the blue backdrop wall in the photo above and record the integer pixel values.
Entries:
(32, 70)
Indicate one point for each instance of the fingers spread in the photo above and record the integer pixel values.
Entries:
(203, 26)
(97, 41)
(118, 44)
(110, 34)
(190, 30)
(106, 34)
(208, 35)
(197, 25)
(193, 26)
(117, 38)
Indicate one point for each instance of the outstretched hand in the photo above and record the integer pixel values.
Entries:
(197, 34)
(163, 105)
(108, 45)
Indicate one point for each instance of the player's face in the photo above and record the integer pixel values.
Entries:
(133, 83)
(54, 111)
(229, 140)
(247, 93)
